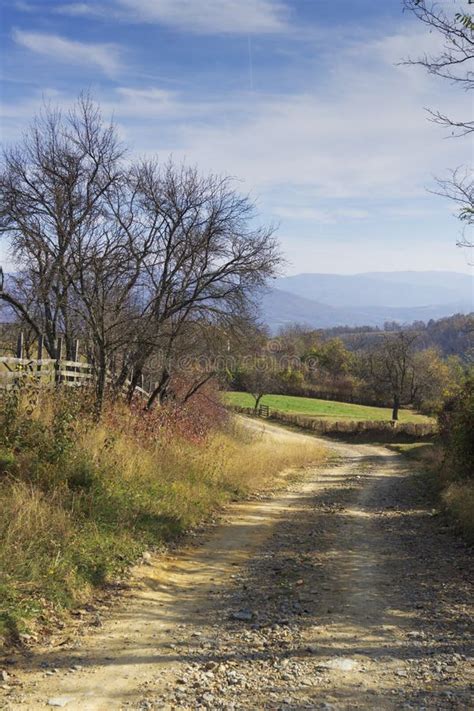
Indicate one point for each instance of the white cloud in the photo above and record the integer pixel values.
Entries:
(23, 6)
(104, 56)
(199, 16)
(75, 9)
(78, 9)
(147, 103)
(212, 16)
(315, 215)
(350, 154)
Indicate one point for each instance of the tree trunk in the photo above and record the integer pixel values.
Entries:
(257, 401)
(159, 391)
(122, 376)
(396, 407)
(196, 387)
(137, 374)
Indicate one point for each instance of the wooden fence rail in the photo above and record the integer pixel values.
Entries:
(49, 372)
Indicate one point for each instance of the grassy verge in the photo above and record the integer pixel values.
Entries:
(458, 500)
(313, 407)
(80, 501)
(426, 453)
(455, 497)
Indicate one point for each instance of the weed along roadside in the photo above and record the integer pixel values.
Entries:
(80, 500)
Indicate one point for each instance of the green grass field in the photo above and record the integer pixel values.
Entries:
(322, 408)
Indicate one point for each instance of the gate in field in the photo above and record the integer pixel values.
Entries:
(47, 372)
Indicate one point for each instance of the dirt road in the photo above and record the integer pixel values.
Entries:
(345, 592)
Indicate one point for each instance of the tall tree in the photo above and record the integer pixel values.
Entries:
(259, 377)
(390, 368)
(53, 191)
(206, 256)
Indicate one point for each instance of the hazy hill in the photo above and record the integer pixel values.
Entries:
(324, 300)
(392, 289)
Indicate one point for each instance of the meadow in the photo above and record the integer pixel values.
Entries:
(330, 409)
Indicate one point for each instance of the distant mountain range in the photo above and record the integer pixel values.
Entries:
(369, 299)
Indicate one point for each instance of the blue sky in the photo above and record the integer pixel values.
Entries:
(301, 100)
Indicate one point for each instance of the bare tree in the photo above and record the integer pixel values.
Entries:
(390, 368)
(107, 265)
(53, 187)
(194, 354)
(454, 59)
(455, 62)
(206, 257)
(259, 378)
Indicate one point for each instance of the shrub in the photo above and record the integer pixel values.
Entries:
(456, 473)
(457, 433)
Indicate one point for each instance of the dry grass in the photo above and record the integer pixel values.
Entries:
(79, 502)
(458, 499)
(429, 454)
(262, 463)
(455, 496)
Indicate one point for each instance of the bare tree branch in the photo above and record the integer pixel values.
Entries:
(455, 62)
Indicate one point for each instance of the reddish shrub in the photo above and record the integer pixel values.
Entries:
(192, 421)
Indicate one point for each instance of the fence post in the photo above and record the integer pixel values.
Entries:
(20, 345)
(75, 357)
(57, 365)
(40, 354)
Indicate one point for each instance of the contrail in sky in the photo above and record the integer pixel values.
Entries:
(250, 62)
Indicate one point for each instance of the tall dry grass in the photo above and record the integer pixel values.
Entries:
(458, 500)
(454, 493)
(80, 500)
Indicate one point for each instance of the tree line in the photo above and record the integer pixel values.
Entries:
(451, 335)
(390, 368)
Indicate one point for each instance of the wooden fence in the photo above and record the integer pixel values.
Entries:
(48, 372)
